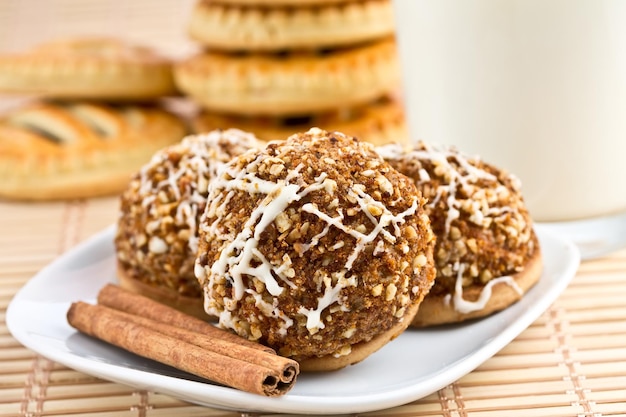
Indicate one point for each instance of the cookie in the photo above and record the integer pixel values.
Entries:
(293, 83)
(487, 253)
(283, 2)
(274, 27)
(315, 247)
(379, 122)
(54, 151)
(90, 68)
(156, 238)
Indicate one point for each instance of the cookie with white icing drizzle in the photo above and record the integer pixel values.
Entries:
(487, 254)
(316, 247)
(156, 238)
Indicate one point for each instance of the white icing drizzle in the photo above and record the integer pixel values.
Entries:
(455, 179)
(464, 306)
(237, 256)
(331, 295)
(201, 157)
(363, 239)
(315, 240)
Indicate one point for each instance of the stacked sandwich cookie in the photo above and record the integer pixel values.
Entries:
(278, 67)
(93, 120)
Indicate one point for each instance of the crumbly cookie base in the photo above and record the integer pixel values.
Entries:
(434, 310)
(362, 350)
(88, 68)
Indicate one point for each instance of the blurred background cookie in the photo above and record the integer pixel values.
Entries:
(75, 150)
(282, 2)
(272, 26)
(285, 66)
(267, 66)
(381, 121)
(88, 68)
(293, 83)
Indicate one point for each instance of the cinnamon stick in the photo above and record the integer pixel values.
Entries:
(123, 300)
(256, 371)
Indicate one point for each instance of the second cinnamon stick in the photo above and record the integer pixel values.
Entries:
(120, 299)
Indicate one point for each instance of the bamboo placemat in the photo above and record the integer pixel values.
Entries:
(570, 362)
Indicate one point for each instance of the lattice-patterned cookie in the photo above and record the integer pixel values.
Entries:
(273, 26)
(74, 150)
(294, 83)
(91, 68)
(380, 122)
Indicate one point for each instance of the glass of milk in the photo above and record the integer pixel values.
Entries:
(537, 87)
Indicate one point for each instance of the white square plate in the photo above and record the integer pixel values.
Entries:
(416, 364)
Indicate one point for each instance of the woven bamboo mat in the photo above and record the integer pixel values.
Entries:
(570, 362)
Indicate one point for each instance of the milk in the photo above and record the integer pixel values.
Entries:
(537, 87)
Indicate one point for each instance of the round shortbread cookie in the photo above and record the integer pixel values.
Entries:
(277, 27)
(89, 68)
(380, 122)
(438, 309)
(51, 151)
(290, 84)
